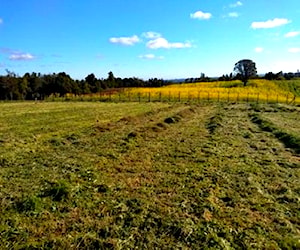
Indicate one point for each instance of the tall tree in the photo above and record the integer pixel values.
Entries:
(11, 84)
(64, 83)
(245, 69)
(23, 87)
(93, 83)
(111, 81)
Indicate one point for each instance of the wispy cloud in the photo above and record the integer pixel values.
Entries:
(151, 57)
(276, 22)
(201, 15)
(154, 41)
(128, 41)
(163, 43)
(294, 50)
(16, 55)
(235, 5)
(233, 14)
(292, 34)
(1, 20)
(259, 49)
(151, 35)
(21, 57)
(7, 51)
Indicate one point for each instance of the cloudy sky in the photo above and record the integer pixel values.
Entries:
(148, 38)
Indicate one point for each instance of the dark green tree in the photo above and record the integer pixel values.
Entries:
(93, 82)
(245, 69)
(111, 81)
(11, 85)
(34, 85)
(84, 87)
(23, 87)
(64, 83)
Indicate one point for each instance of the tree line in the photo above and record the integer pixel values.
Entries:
(33, 86)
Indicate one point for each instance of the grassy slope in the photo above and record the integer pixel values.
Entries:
(79, 175)
(292, 85)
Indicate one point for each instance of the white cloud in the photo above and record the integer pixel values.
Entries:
(151, 35)
(21, 57)
(290, 65)
(237, 4)
(270, 23)
(292, 34)
(258, 49)
(128, 41)
(201, 15)
(294, 50)
(1, 20)
(151, 57)
(161, 42)
(233, 14)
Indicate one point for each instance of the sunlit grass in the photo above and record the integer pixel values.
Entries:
(94, 175)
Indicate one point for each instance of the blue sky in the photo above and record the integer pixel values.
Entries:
(148, 38)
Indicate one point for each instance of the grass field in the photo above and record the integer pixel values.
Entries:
(149, 176)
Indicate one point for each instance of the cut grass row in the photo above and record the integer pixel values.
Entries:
(291, 141)
(287, 132)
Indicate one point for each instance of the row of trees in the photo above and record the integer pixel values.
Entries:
(244, 70)
(37, 86)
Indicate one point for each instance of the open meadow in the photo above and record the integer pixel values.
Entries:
(149, 175)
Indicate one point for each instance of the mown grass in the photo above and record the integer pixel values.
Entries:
(145, 175)
(291, 141)
(284, 125)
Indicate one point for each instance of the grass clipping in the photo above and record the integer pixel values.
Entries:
(290, 140)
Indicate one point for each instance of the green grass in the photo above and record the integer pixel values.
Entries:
(147, 175)
(290, 85)
(284, 125)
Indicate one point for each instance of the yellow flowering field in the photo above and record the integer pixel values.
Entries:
(256, 90)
